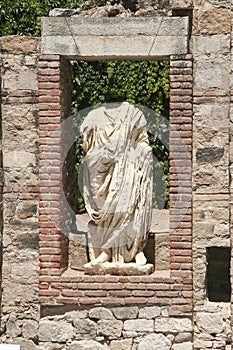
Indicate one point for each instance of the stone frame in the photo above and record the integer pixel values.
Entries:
(59, 287)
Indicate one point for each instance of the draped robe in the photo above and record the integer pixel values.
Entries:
(117, 179)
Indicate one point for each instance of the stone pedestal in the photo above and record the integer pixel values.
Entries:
(128, 269)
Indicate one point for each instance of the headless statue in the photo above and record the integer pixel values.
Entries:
(117, 183)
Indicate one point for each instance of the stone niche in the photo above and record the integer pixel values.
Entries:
(151, 38)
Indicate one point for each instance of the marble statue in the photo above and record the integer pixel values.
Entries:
(117, 182)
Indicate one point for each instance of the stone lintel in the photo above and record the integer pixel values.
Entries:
(126, 269)
(109, 38)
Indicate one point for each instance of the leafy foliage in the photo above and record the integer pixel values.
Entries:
(23, 17)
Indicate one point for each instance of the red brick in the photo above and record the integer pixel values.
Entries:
(143, 293)
(71, 293)
(95, 293)
(86, 286)
(112, 286)
(119, 293)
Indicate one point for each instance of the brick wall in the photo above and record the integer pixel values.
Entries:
(74, 288)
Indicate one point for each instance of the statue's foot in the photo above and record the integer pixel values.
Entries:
(103, 257)
(140, 259)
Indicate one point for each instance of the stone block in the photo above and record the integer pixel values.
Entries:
(154, 342)
(173, 325)
(181, 4)
(22, 80)
(209, 322)
(202, 344)
(55, 331)
(77, 251)
(101, 313)
(214, 45)
(125, 344)
(21, 116)
(162, 251)
(210, 123)
(27, 344)
(109, 328)
(208, 19)
(72, 316)
(50, 346)
(87, 345)
(125, 313)
(30, 329)
(85, 329)
(26, 210)
(12, 328)
(150, 312)
(24, 272)
(115, 37)
(183, 346)
(124, 269)
(19, 44)
(139, 325)
(211, 75)
(183, 337)
(18, 159)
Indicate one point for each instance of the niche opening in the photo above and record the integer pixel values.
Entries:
(218, 274)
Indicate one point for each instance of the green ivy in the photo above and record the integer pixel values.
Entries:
(23, 17)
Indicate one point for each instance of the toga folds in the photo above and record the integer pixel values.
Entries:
(117, 179)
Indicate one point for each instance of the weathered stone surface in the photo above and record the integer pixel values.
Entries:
(85, 329)
(77, 251)
(24, 272)
(155, 342)
(19, 44)
(123, 269)
(100, 38)
(50, 346)
(183, 337)
(209, 154)
(211, 20)
(74, 316)
(173, 325)
(53, 331)
(211, 45)
(202, 344)
(26, 210)
(217, 73)
(150, 312)
(181, 4)
(27, 344)
(101, 313)
(12, 328)
(125, 344)
(30, 329)
(125, 313)
(22, 80)
(109, 328)
(184, 346)
(87, 345)
(209, 322)
(139, 325)
(19, 159)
